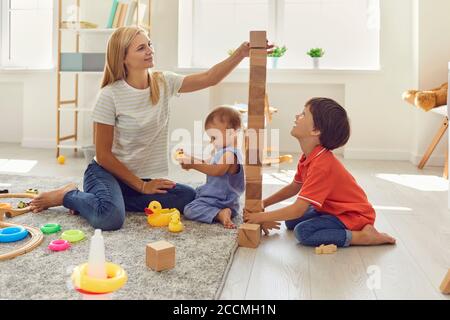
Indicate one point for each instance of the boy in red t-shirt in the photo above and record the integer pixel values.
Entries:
(331, 208)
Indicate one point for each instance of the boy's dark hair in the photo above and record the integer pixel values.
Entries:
(331, 120)
(227, 115)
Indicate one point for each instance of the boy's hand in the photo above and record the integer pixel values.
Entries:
(254, 217)
(266, 226)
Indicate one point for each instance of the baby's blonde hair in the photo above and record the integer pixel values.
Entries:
(115, 69)
(230, 116)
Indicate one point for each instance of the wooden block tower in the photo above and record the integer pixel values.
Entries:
(256, 121)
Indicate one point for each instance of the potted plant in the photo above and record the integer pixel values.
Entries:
(316, 54)
(277, 52)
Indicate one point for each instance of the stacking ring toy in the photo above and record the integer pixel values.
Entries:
(50, 228)
(13, 234)
(59, 245)
(73, 235)
(117, 277)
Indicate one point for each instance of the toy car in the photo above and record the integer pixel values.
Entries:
(32, 190)
(22, 205)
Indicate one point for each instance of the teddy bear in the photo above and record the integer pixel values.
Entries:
(428, 99)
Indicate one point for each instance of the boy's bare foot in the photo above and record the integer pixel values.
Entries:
(224, 217)
(50, 199)
(369, 236)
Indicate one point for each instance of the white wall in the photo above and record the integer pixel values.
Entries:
(433, 55)
(11, 111)
(383, 126)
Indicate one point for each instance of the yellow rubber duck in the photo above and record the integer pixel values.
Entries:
(157, 216)
(175, 224)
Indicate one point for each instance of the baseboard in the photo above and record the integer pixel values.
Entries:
(39, 143)
(391, 155)
(377, 154)
(434, 161)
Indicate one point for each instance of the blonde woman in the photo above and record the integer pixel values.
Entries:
(131, 118)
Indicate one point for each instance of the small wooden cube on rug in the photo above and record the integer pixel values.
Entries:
(160, 255)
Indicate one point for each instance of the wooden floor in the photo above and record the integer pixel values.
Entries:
(411, 205)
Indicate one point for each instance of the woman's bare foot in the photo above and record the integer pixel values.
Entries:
(224, 217)
(50, 199)
(369, 236)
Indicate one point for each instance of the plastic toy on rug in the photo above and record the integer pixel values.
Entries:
(14, 232)
(22, 207)
(98, 279)
(32, 191)
(175, 225)
(159, 217)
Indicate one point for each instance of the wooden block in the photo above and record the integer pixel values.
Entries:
(253, 205)
(256, 92)
(258, 57)
(256, 107)
(445, 286)
(256, 122)
(249, 235)
(160, 255)
(253, 157)
(258, 39)
(323, 249)
(253, 190)
(258, 75)
(253, 173)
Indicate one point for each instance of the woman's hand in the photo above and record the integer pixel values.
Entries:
(157, 186)
(244, 49)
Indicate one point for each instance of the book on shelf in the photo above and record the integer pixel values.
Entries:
(117, 16)
(112, 14)
(123, 13)
(131, 13)
(142, 10)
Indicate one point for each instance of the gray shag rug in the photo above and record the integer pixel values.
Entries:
(203, 255)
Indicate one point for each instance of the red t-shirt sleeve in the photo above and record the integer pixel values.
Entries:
(316, 187)
(298, 174)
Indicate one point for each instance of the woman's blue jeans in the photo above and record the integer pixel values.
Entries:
(105, 199)
(316, 228)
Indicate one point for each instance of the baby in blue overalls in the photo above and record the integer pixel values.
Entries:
(218, 199)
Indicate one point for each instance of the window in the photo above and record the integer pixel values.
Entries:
(347, 30)
(27, 33)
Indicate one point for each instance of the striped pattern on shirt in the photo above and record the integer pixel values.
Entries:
(140, 129)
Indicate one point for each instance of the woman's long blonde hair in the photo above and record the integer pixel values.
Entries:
(115, 68)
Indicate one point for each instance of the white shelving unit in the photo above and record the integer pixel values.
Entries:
(71, 141)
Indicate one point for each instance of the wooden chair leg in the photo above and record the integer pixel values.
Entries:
(434, 143)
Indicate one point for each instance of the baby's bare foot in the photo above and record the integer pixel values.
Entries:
(369, 236)
(50, 199)
(224, 217)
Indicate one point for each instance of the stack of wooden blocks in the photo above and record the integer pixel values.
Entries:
(256, 122)
(249, 234)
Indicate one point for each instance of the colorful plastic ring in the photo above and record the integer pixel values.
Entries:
(50, 228)
(59, 245)
(73, 235)
(117, 277)
(13, 234)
